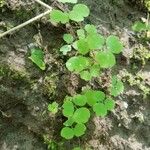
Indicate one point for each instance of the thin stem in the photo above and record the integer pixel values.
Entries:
(29, 21)
(43, 4)
(25, 23)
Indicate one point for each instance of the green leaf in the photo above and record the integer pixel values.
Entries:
(82, 9)
(139, 26)
(105, 59)
(53, 107)
(85, 75)
(75, 16)
(94, 96)
(59, 16)
(114, 45)
(95, 71)
(68, 1)
(117, 86)
(95, 41)
(90, 29)
(37, 56)
(67, 133)
(65, 49)
(100, 109)
(83, 47)
(81, 115)
(80, 100)
(68, 108)
(69, 122)
(79, 12)
(109, 104)
(79, 130)
(81, 34)
(68, 38)
(77, 63)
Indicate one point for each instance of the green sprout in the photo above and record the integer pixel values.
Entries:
(117, 86)
(65, 49)
(140, 26)
(53, 108)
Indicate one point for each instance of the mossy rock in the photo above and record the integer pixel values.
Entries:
(142, 4)
(49, 85)
(7, 73)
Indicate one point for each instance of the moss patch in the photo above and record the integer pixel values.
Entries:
(50, 85)
(7, 73)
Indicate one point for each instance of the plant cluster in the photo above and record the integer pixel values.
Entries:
(93, 54)
(141, 53)
(77, 110)
(143, 28)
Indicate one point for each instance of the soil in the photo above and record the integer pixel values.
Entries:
(26, 91)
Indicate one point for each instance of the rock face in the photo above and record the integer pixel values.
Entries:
(25, 91)
(143, 4)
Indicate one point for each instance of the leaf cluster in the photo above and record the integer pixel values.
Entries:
(53, 108)
(94, 52)
(77, 110)
(77, 14)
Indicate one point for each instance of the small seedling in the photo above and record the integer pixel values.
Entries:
(140, 26)
(53, 108)
(116, 86)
